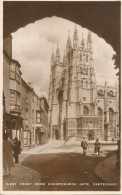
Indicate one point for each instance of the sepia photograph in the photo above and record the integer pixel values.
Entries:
(61, 97)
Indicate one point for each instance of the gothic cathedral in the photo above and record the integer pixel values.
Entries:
(77, 105)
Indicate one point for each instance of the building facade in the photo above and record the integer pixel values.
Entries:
(24, 114)
(45, 129)
(77, 105)
(12, 120)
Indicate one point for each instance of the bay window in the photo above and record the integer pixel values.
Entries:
(14, 72)
(14, 100)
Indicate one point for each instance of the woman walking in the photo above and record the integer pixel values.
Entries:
(7, 155)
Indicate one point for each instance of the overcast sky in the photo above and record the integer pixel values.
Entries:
(33, 44)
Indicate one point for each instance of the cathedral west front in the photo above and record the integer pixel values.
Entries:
(77, 105)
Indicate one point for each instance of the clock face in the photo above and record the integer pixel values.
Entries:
(84, 71)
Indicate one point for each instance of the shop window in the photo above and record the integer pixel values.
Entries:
(25, 137)
(26, 117)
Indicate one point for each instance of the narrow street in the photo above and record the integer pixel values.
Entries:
(64, 168)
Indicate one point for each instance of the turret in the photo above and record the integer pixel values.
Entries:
(75, 39)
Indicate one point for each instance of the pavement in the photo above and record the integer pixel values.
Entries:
(23, 178)
(108, 172)
(26, 179)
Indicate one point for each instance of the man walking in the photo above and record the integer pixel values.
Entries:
(97, 147)
(84, 145)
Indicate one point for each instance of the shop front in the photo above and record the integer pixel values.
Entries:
(13, 125)
(40, 136)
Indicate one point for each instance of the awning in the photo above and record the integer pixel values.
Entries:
(9, 119)
(8, 116)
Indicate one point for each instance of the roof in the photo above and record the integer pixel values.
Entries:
(11, 60)
(43, 97)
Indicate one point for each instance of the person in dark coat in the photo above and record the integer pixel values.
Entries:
(16, 148)
(97, 147)
(84, 145)
(8, 162)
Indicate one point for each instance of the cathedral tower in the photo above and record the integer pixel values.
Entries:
(76, 107)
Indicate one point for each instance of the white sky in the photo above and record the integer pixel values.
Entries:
(33, 44)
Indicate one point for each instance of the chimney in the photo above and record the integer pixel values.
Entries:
(7, 45)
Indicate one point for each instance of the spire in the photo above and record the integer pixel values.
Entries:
(52, 58)
(57, 54)
(75, 39)
(69, 40)
(75, 33)
(82, 41)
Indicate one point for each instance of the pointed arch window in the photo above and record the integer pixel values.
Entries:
(100, 112)
(111, 113)
(111, 119)
(80, 56)
(81, 83)
(85, 110)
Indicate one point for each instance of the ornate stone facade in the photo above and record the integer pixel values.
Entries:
(77, 105)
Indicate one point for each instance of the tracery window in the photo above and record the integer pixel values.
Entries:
(111, 119)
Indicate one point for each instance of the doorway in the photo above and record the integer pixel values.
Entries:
(90, 135)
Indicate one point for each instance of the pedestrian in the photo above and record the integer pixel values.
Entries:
(97, 147)
(16, 148)
(84, 145)
(7, 155)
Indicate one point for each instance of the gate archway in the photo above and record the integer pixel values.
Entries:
(90, 15)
